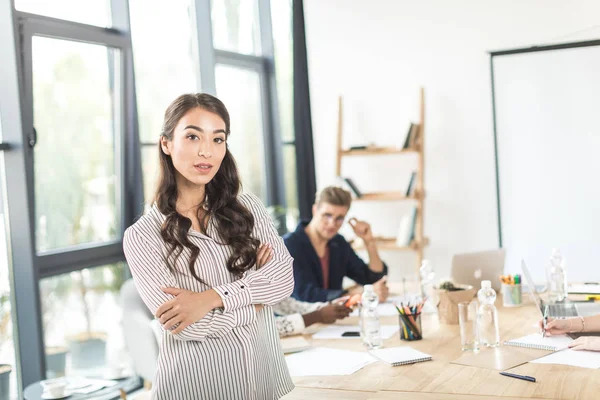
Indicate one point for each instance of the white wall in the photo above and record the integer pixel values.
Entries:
(377, 53)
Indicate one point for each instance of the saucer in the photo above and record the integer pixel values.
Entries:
(48, 396)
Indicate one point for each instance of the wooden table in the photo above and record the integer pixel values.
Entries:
(438, 379)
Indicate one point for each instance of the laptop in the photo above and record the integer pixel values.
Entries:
(556, 310)
(472, 268)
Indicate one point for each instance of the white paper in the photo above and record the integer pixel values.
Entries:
(336, 331)
(575, 358)
(558, 342)
(326, 361)
(584, 289)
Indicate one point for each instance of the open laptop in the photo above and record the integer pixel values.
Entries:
(472, 268)
(556, 310)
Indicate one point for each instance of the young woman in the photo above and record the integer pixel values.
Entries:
(193, 258)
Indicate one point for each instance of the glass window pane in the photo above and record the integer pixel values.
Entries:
(281, 12)
(291, 186)
(8, 364)
(235, 26)
(150, 169)
(76, 178)
(92, 12)
(240, 90)
(91, 343)
(166, 59)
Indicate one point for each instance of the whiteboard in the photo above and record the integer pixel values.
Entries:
(547, 110)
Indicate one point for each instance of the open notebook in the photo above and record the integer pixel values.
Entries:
(536, 341)
(400, 355)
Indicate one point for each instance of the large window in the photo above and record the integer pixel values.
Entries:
(76, 174)
(236, 26)
(281, 11)
(240, 90)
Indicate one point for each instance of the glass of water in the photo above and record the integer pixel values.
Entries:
(467, 318)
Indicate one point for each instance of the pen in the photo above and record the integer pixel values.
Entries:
(524, 377)
(544, 321)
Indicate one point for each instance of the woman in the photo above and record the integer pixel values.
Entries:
(575, 325)
(193, 258)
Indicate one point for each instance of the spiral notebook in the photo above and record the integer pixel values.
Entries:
(537, 341)
(396, 356)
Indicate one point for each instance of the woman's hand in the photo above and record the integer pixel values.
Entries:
(186, 308)
(586, 343)
(556, 326)
(264, 254)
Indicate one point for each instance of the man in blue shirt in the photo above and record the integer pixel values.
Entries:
(322, 257)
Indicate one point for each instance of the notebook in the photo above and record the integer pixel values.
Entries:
(294, 344)
(536, 341)
(396, 356)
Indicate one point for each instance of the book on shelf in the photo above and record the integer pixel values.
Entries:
(412, 183)
(352, 186)
(406, 230)
(411, 136)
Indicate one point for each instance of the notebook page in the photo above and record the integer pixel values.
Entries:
(536, 340)
(402, 354)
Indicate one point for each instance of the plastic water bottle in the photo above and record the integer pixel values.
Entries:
(427, 280)
(556, 277)
(369, 320)
(487, 316)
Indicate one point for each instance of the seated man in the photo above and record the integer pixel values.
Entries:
(292, 316)
(322, 257)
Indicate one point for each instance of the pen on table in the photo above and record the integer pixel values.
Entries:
(524, 377)
(544, 321)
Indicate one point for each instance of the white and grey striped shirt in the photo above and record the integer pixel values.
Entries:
(231, 353)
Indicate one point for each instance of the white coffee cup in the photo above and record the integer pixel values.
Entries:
(55, 389)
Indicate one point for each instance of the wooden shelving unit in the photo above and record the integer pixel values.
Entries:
(388, 243)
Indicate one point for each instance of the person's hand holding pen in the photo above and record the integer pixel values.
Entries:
(555, 326)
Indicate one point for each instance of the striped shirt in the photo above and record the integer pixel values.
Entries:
(288, 315)
(234, 351)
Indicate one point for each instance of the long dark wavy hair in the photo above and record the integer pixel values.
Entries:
(234, 222)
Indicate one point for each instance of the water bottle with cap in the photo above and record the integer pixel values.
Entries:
(369, 320)
(487, 316)
(427, 290)
(556, 277)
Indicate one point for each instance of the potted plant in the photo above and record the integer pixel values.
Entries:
(5, 337)
(448, 296)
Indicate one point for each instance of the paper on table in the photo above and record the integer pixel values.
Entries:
(326, 361)
(575, 358)
(336, 331)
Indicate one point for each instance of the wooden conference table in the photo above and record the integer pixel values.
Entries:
(440, 380)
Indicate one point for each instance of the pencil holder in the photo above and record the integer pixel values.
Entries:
(511, 295)
(410, 327)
